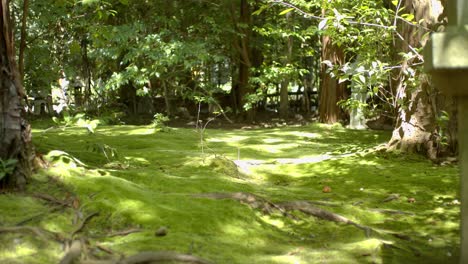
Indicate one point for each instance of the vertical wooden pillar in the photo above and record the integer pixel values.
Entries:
(446, 58)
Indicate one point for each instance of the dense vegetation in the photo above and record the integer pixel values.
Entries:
(248, 59)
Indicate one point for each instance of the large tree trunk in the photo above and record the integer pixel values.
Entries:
(331, 92)
(15, 133)
(416, 128)
(22, 47)
(243, 57)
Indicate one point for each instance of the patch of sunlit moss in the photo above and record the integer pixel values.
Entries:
(152, 182)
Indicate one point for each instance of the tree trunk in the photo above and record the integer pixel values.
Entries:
(416, 128)
(15, 133)
(284, 90)
(331, 92)
(242, 45)
(167, 99)
(22, 46)
(86, 71)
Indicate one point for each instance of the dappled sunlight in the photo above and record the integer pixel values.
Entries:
(305, 135)
(152, 180)
(21, 250)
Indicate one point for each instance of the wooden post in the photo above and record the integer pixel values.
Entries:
(463, 143)
(446, 58)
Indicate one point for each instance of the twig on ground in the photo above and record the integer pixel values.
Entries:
(51, 199)
(82, 225)
(124, 232)
(105, 249)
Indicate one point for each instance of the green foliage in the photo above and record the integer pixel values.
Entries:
(442, 122)
(7, 167)
(79, 120)
(109, 152)
(159, 122)
(110, 118)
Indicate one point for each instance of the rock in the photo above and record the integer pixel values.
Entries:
(162, 231)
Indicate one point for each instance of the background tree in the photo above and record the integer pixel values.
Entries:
(16, 151)
(417, 129)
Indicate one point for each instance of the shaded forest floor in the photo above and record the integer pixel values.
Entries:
(270, 195)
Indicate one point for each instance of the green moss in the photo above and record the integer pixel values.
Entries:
(153, 178)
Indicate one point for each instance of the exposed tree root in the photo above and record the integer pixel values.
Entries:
(82, 225)
(267, 207)
(51, 199)
(39, 232)
(252, 200)
(153, 257)
(160, 257)
(310, 209)
(124, 232)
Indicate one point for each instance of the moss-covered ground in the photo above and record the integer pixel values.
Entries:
(135, 177)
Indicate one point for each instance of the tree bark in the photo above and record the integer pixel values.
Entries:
(331, 92)
(22, 46)
(416, 128)
(86, 71)
(243, 57)
(15, 133)
(284, 90)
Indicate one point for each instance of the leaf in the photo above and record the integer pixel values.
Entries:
(328, 63)
(284, 12)
(337, 14)
(322, 24)
(362, 78)
(89, 2)
(395, 2)
(343, 79)
(260, 10)
(408, 17)
(10, 162)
